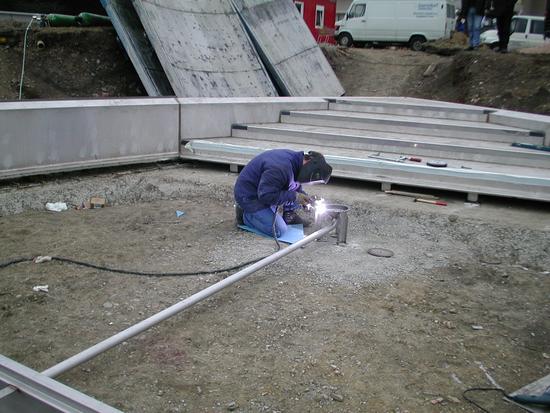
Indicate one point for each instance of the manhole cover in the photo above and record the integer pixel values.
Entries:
(380, 252)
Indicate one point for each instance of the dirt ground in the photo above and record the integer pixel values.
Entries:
(463, 302)
(90, 62)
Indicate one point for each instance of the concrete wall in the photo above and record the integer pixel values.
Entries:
(211, 118)
(523, 120)
(47, 136)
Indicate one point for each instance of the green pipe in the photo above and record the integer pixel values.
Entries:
(90, 19)
(61, 20)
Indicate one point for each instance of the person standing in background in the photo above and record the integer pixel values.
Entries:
(504, 11)
(473, 11)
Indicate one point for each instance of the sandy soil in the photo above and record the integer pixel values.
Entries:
(513, 81)
(328, 328)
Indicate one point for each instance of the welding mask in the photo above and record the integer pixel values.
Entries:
(315, 171)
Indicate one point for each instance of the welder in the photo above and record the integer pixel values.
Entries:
(273, 181)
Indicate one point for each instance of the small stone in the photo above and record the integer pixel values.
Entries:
(448, 324)
(160, 393)
(199, 390)
(107, 305)
(337, 397)
(429, 255)
(453, 218)
(453, 399)
(452, 310)
(546, 355)
(232, 406)
(437, 400)
(477, 327)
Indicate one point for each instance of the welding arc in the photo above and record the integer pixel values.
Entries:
(142, 273)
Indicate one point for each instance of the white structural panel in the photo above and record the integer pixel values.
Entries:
(291, 54)
(204, 48)
(50, 136)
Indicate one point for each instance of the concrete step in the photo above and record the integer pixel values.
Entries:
(411, 107)
(419, 145)
(414, 125)
(483, 178)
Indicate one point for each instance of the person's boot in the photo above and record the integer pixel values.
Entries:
(292, 218)
(239, 215)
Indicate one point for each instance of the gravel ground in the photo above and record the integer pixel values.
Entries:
(463, 301)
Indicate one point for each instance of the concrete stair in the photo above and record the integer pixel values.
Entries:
(395, 143)
(479, 154)
(413, 125)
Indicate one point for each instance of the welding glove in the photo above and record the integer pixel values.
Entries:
(303, 199)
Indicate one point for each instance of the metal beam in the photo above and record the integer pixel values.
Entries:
(26, 391)
(140, 327)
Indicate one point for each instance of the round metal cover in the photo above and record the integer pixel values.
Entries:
(380, 252)
(437, 164)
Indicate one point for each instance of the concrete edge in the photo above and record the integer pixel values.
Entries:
(537, 124)
(213, 117)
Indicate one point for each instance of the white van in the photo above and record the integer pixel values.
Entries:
(396, 21)
(526, 31)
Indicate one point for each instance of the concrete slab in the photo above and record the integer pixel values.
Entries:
(39, 137)
(211, 117)
(397, 144)
(204, 48)
(523, 120)
(410, 109)
(414, 125)
(525, 183)
(296, 63)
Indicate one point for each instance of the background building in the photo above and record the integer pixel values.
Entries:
(320, 16)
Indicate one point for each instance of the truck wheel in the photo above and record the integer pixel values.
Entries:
(345, 40)
(417, 42)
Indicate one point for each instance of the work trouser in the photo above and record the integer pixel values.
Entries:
(503, 28)
(262, 220)
(474, 26)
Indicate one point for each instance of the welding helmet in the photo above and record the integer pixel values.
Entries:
(315, 170)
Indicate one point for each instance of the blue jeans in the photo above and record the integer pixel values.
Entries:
(262, 220)
(474, 26)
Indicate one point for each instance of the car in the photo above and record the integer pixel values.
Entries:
(526, 31)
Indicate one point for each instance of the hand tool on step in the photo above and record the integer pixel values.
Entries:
(437, 164)
(402, 158)
(431, 201)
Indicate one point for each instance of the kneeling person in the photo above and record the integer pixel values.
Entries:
(274, 179)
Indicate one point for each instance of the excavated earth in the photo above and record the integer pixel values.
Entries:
(462, 303)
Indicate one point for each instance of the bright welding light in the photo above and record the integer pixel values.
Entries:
(320, 207)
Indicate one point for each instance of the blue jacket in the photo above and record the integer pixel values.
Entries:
(269, 180)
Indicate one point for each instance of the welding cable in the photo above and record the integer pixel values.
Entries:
(274, 232)
(128, 272)
(481, 389)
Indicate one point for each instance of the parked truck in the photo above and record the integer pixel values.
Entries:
(411, 22)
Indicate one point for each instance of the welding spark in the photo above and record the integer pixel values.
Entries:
(320, 207)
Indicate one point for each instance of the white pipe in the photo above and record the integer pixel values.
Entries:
(140, 327)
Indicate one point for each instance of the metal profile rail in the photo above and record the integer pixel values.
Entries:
(140, 327)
